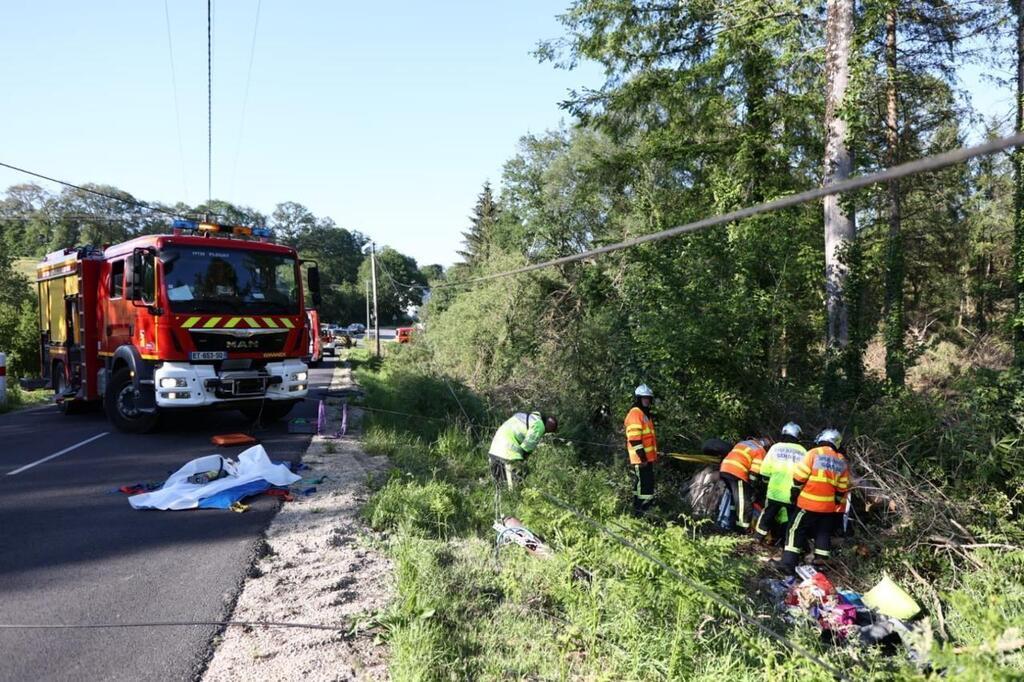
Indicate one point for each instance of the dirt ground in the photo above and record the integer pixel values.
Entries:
(316, 566)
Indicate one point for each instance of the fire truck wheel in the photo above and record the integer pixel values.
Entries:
(120, 404)
(272, 411)
(60, 387)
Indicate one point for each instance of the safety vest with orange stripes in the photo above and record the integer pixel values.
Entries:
(824, 475)
(640, 427)
(744, 459)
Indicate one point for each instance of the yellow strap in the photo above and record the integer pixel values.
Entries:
(696, 459)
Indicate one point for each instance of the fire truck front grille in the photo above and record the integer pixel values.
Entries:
(259, 343)
(236, 386)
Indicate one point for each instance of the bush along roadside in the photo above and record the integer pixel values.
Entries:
(597, 610)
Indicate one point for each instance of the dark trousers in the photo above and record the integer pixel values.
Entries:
(741, 500)
(806, 525)
(766, 522)
(643, 487)
(508, 472)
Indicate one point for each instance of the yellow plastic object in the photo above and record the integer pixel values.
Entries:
(892, 600)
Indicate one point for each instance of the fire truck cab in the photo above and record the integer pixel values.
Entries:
(202, 318)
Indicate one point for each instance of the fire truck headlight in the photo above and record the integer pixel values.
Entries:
(172, 382)
(181, 395)
(300, 376)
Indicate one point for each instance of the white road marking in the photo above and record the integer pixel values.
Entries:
(58, 454)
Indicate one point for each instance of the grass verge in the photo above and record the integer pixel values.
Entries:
(595, 611)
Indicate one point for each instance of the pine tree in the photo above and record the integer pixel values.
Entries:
(478, 238)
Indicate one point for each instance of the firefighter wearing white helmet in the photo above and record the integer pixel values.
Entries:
(821, 482)
(777, 470)
(642, 447)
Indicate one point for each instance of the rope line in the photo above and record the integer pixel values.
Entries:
(703, 590)
(929, 163)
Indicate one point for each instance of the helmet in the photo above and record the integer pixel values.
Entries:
(830, 436)
(643, 391)
(550, 424)
(792, 429)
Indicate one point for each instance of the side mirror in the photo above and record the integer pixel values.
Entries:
(133, 290)
(313, 282)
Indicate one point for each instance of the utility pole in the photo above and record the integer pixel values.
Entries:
(367, 334)
(373, 278)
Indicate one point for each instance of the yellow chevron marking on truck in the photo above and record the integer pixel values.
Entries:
(269, 321)
(288, 323)
(190, 322)
(212, 322)
(251, 321)
(233, 322)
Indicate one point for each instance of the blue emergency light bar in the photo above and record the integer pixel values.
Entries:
(236, 230)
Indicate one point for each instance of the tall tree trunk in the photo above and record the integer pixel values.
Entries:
(1018, 200)
(895, 352)
(839, 225)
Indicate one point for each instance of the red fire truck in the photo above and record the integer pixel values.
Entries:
(210, 316)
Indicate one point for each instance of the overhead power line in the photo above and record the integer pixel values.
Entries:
(928, 163)
(123, 200)
(209, 100)
(245, 97)
(176, 623)
(174, 90)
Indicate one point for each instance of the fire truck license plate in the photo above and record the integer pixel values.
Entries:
(208, 355)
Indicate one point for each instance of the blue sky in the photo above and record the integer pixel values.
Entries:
(388, 117)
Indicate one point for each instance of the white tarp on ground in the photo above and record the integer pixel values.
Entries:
(177, 493)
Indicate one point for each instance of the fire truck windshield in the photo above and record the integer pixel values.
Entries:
(219, 280)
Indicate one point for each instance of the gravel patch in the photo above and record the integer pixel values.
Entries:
(316, 565)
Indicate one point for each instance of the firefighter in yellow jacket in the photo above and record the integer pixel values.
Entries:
(513, 444)
(642, 447)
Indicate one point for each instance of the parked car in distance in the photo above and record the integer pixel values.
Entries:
(403, 334)
(356, 328)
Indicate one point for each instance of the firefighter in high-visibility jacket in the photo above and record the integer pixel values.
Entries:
(820, 482)
(740, 470)
(514, 442)
(777, 471)
(642, 447)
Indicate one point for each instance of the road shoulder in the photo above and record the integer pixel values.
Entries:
(317, 566)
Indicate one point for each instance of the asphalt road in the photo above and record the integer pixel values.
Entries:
(73, 551)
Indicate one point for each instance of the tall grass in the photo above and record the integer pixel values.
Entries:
(465, 612)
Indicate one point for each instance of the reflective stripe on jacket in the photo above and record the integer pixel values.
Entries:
(518, 437)
(778, 466)
(740, 462)
(824, 474)
(640, 428)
